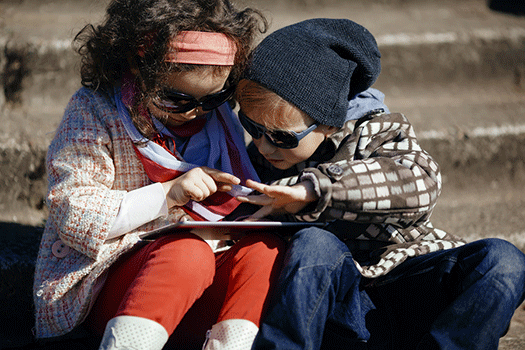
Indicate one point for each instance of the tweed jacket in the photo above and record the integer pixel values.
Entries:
(91, 164)
(377, 190)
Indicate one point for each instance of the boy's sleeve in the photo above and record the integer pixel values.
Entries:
(379, 175)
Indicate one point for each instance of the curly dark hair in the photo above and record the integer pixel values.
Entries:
(107, 49)
(110, 49)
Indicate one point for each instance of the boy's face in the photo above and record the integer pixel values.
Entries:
(287, 119)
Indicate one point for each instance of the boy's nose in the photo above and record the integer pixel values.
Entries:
(264, 146)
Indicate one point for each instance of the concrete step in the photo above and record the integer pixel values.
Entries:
(422, 44)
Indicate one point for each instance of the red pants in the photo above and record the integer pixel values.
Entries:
(180, 283)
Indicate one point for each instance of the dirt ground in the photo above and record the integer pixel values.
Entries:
(515, 338)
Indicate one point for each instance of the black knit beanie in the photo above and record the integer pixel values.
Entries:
(318, 65)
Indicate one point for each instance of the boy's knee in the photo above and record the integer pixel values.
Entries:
(315, 247)
(314, 235)
(504, 256)
(505, 263)
(317, 243)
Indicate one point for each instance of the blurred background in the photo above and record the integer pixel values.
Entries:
(456, 69)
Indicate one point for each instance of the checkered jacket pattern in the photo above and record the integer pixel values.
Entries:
(91, 164)
(374, 179)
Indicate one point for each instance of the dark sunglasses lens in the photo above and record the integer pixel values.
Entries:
(282, 139)
(249, 126)
(214, 101)
(171, 108)
(174, 103)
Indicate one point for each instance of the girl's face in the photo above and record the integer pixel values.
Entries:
(198, 84)
(287, 119)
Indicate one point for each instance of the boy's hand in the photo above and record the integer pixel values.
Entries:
(197, 184)
(279, 199)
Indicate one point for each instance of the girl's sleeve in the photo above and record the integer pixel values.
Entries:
(379, 175)
(81, 173)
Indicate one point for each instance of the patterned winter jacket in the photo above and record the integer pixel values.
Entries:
(377, 187)
(91, 164)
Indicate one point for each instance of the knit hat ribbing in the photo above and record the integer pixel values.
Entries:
(318, 65)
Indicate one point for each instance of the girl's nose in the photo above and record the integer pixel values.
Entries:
(192, 114)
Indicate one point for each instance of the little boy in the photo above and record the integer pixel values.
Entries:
(379, 274)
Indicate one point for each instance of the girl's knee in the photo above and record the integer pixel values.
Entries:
(259, 253)
(262, 241)
(185, 254)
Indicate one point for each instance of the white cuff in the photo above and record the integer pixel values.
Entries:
(132, 332)
(233, 334)
(138, 207)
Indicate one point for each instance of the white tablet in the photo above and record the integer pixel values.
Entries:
(230, 229)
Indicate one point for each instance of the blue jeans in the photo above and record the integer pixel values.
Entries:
(461, 298)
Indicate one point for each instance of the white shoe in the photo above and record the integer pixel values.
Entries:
(133, 333)
(235, 334)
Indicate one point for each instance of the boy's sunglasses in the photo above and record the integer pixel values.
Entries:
(176, 102)
(279, 138)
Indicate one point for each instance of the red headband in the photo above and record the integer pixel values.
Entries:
(202, 48)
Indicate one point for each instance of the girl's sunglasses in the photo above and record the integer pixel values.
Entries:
(176, 102)
(279, 138)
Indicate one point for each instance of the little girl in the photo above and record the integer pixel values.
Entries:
(150, 139)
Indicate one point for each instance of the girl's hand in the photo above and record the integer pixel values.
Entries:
(197, 184)
(279, 199)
